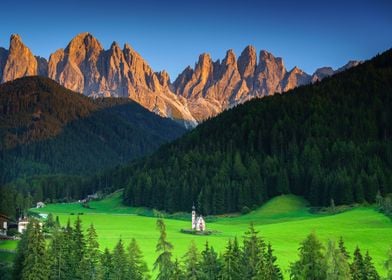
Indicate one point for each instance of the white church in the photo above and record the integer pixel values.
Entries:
(198, 223)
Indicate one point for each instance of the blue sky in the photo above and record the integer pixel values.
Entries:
(171, 34)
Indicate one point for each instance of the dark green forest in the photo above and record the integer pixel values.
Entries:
(52, 139)
(72, 253)
(329, 140)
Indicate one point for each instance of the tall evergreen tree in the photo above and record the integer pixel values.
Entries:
(120, 262)
(231, 263)
(107, 268)
(35, 265)
(21, 252)
(138, 269)
(311, 263)
(163, 263)
(343, 249)
(79, 243)
(269, 269)
(90, 262)
(177, 272)
(192, 260)
(56, 252)
(357, 266)
(370, 272)
(209, 265)
(253, 253)
(337, 266)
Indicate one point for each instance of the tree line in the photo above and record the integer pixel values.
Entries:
(72, 253)
(329, 140)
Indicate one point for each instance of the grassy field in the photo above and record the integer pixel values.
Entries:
(284, 221)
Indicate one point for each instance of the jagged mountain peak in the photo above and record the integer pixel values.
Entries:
(200, 92)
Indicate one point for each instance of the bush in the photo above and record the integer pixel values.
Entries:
(245, 210)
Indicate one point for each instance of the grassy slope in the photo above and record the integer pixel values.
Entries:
(284, 221)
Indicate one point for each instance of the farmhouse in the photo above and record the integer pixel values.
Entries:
(198, 223)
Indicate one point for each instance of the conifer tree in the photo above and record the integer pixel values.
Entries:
(57, 250)
(57, 222)
(337, 266)
(177, 273)
(209, 264)
(270, 270)
(35, 265)
(120, 262)
(231, 269)
(163, 263)
(192, 259)
(311, 263)
(79, 244)
(370, 272)
(343, 249)
(107, 269)
(90, 262)
(357, 266)
(21, 252)
(138, 269)
(388, 264)
(70, 264)
(253, 253)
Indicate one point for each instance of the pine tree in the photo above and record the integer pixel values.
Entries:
(35, 265)
(369, 272)
(231, 268)
(163, 263)
(177, 273)
(337, 266)
(120, 262)
(21, 252)
(90, 262)
(209, 264)
(357, 266)
(70, 264)
(343, 249)
(57, 250)
(78, 247)
(107, 269)
(138, 269)
(253, 252)
(192, 258)
(311, 263)
(269, 270)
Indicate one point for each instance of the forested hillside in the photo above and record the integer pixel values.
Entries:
(49, 131)
(329, 140)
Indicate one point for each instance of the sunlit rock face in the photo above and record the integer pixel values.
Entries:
(19, 61)
(198, 93)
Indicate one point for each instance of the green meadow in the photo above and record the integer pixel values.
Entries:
(283, 221)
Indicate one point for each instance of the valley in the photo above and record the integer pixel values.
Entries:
(284, 221)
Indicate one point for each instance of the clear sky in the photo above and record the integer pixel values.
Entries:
(171, 34)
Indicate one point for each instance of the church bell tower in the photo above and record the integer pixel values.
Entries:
(193, 217)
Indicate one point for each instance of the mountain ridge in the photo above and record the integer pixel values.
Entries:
(198, 93)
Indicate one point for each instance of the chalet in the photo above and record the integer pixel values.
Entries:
(198, 223)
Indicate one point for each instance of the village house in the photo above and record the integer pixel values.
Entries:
(198, 223)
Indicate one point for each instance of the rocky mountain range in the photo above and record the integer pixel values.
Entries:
(196, 94)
